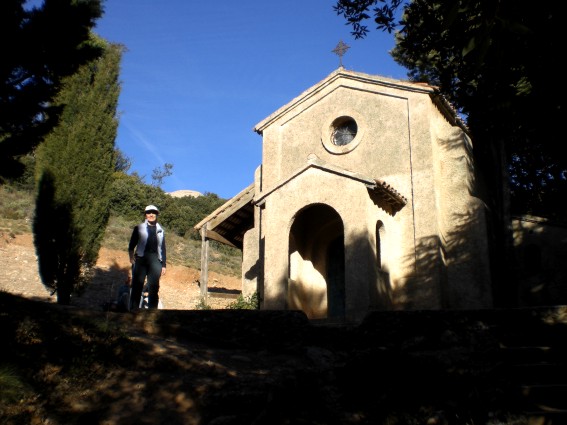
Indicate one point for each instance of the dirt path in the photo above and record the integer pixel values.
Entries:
(179, 288)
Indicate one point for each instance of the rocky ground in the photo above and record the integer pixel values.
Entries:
(179, 288)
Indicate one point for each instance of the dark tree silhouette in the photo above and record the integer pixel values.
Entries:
(40, 46)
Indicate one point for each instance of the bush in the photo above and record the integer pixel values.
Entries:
(252, 302)
(202, 305)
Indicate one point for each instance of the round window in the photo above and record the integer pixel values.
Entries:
(344, 131)
(343, 134)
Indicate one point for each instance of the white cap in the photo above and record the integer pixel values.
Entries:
(151, 208)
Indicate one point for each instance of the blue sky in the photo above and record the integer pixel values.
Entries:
(198, 76)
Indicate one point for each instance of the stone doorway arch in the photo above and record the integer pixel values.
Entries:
(316, 279)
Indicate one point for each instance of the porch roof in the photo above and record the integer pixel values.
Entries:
(228, 223)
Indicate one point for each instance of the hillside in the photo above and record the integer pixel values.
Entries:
(179, 288)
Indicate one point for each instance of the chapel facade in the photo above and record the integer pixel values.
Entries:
(366, 199)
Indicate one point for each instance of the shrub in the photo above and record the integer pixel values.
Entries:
(252, 302)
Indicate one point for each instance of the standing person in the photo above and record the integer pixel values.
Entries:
(148, 256)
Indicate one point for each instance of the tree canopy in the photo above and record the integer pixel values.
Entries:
(494, 61)
(40, 46)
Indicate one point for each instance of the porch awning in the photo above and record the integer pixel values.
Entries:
(229, 222)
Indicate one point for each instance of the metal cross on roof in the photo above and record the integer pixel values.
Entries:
(340, 50)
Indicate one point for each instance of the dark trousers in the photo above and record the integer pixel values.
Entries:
(147, 266)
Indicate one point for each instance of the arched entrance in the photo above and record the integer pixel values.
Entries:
(316, 263)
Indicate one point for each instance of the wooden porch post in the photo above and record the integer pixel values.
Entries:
(204, 279)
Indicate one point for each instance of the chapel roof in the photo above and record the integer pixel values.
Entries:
(444, 106)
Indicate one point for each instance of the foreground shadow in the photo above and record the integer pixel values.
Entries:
(274, 367)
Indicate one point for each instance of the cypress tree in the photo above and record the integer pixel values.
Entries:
(74, 170)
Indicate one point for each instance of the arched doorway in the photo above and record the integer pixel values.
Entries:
(316, 282)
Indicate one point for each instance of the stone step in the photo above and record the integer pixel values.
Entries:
(536, 336)
(544, 398)
(545, 418)
(537, 374)
(523, 354)
(223, 292)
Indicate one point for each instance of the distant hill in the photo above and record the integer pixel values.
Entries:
(183, 193)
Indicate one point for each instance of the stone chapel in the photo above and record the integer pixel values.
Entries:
(366, 199)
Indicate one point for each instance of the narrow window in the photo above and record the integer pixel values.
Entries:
(379, 231)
